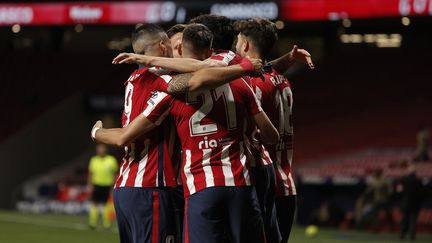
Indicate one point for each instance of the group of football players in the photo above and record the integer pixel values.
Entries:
(207, 132)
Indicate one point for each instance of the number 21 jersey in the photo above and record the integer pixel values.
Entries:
(211, 126)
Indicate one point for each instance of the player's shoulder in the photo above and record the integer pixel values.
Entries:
(241, 85)
(271, 79)
(226, 56)
(160, 74)
(149, 73)
(279, 78)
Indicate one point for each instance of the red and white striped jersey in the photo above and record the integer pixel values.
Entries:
(148, 161)
(211, 125)
(276, 100)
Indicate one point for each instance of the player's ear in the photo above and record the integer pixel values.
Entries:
(180, 50)
(162, 47)
(246, 46)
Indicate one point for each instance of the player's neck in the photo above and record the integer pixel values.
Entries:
(253, 54)
(196, 56)
(154, 53)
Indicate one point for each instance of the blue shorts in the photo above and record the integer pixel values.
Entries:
(179, 202)
(217, 213)
(265, 179)
(144, 215)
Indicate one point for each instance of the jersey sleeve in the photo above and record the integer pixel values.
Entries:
(161, 83)
(157, 107)
(226, 58)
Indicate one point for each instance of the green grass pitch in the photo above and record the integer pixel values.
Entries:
(31, 228)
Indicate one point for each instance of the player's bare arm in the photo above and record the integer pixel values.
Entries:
(179, 65)
(267, 131)
(122, 136)
(283, 63)
(209, 78)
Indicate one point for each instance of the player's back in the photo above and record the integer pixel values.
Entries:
(276, 100)
(147, 161)
(211, 125)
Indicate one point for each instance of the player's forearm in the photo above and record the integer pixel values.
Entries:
(210, 78)
(179, 65)
(270, 135)
(204, 79)
(126, 135)
(267, 131)
(112, 136)
(283, 63)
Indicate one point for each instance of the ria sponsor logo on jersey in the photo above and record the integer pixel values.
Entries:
(213, 143)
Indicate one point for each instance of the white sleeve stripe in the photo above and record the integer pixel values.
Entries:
(158, 71)
(153, 102)
(228, 57)
(167, 78)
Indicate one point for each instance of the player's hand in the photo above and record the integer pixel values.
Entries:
(130, 58)
(258, 65)
(301, 55)
(96, 126)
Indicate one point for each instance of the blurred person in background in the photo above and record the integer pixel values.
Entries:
(328, 214)
(422, 152)
(378, 192)
(411, 190)
(102, 171)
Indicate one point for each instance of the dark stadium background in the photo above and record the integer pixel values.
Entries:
(363, 103)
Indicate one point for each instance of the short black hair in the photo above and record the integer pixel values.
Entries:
(221, 27)
(262, 32)
(198, 35)
(147, 34)
(178, 28)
